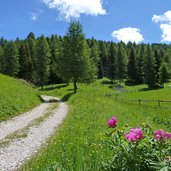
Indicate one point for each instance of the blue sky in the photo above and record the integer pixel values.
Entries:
(126, 20)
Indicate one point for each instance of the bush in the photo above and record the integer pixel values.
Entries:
(137, 149)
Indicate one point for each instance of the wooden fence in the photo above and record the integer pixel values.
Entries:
(141, 100)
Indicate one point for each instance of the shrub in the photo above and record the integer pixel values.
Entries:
(138, 149)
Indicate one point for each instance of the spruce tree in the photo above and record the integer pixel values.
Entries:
(74, 63)
(55, 47)
(11, 61)
(132, 66)
(141, 57)
(157, 62)
(112, 62)
(121, 62)
(163, 73)
(25, 62)
(42, 61)
(149, 68)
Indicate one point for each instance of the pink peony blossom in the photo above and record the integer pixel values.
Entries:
(161, 134)
(135, 134)
(167, 135)
(112, 122)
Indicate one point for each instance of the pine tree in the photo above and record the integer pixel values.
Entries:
(163, 73)
(42, 61)
(141, 58)
(157, 62)
(25, 62)
(31, 41)
(11, 61)
(112, 62)
(121, 62)
(132, 66)
(55, 47)
(149, 68)
(74, 63)
(103, 57)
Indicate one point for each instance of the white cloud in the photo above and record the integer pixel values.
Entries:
(34, 15)
(166, 32)
(165, 25)
(128, 35)
(166, 17)
(74, 8)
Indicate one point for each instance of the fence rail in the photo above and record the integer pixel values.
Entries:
(142, 100)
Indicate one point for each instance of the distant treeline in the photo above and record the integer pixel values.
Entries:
(136, 63)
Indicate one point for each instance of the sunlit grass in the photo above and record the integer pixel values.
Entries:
(15, 97)
(79, 145)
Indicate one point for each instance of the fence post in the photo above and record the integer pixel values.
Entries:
(158, 102)
(139, 101)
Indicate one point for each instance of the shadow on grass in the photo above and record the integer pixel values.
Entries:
(131, 83)
(107, 82)
(55, 87)
(151, 88)
(40, 98)
(67, 96)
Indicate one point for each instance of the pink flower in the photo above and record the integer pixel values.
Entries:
(161, 134)
(135, 134)
(112, 122)
(131, 137)
(167, 135)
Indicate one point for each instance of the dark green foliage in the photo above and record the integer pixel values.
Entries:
(25, 61)
(100, 70)
(132, 66)
(140, 59)
(112, 62)
(158, 54)
(55, 47)
(103, 56)
(163, 73)
(107, 58)
(42, 61)
(74, 63)
(149, 68)
(11, 62)
(121, 62)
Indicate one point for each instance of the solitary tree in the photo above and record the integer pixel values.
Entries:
(74, 63)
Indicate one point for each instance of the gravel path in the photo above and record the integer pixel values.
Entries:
(19, 150)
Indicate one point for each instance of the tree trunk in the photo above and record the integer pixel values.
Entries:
(75, 86)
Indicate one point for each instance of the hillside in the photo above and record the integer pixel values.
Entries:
(16, 96)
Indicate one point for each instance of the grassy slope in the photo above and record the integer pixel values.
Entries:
(78, 145)
(15, 97)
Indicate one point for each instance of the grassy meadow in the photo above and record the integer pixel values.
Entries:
(79, 144)
(16, 96)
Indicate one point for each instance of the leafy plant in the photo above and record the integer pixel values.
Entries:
(140, 149)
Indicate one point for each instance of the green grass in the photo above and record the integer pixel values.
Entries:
(16, 96)
(78, 145)
(141, 92)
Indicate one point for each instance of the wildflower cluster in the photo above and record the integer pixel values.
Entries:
(139, 148)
